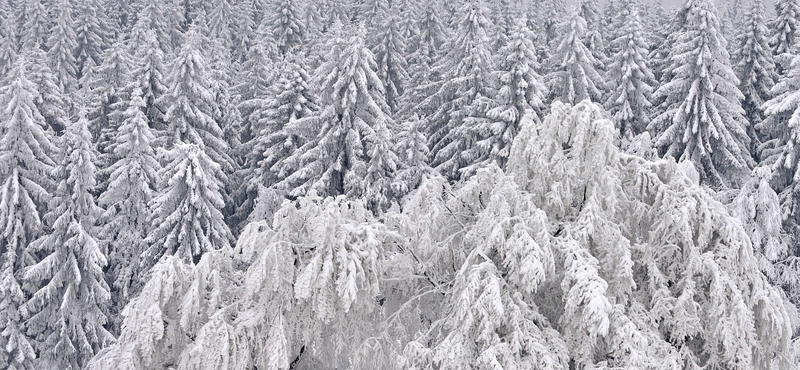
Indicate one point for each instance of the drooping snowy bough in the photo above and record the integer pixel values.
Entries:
(579, 256)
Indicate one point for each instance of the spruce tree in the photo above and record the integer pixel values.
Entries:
(784, 26)
(703, 120)
(780, 149)
(521, 93)
(191, 105)
(288, 29)
(220, 18)
(153, 17)
(34, 26)
(148, 75)
(462, 92)
(91, 28)
(51, 100)
(755, 69)
(26, 165)
(63, 43)
(289, 99)
(392, 66)
(131, 186)
(8, 45)
(629, 74)
(187, 217)
(69, 308)
(425, 49)
(574, 76)
(347, 152)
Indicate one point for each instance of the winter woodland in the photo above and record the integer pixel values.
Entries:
(399, 184)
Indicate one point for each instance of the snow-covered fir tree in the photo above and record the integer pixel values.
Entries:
(63, 44)
(288, 29)
(187, 218)
(629, 74)
(289, 99)
(423, 51)
(348, 148)
(51, 100)
(69, 308)
(220, 18)
(461, 93)
(779, 151)
(703, 120)
(521, 93)
(91, 28)
(392, 65)
(191, 106)
(755, 69)
(131, 186)
(574, 72)
(784, 26)
(152, 17)
(148, 75)
(34, 24)
(27, 160)
(8, 44)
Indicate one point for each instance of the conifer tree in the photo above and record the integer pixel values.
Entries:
(462, 92)
(26, 164)
(51, 100)
(62, 47)
(220, 18)
(521, 93)
(289, 99)
(755, 69)
(153, 17)
(392, 65)
(8, 45)
(629, 73)
(148, 76)
(109, 94)
(91, 28)
(347, 152)
(69, 308)
(574, 76)
(703, 120)
(425, 49)
(784, 26)
(191, 104)
(187, 217)
(131, 186)
(780, 148)
(34, 26)
(288, 29)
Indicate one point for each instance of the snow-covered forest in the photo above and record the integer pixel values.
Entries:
(399, 184)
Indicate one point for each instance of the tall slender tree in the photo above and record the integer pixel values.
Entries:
(70, 306)
(348, 151)
(392, 65)
(630, 101)
(63, 44)
(131, 186)
(755, 69)
(187, 217)
(574, 72)
(521, 93)
(26, 165)
(784, 26)
(462, 91)
(288, 29)
(192, 106)
(703, 120)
